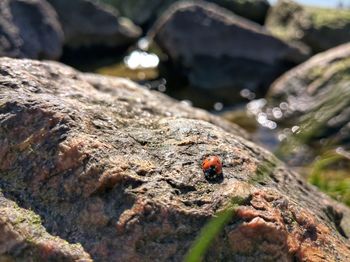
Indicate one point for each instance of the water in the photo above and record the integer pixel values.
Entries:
(141, 59)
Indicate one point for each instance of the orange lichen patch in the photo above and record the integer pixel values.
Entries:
(277, 227)
(247, 213)
(312, 241)
(144, 209)
(266, 236)
(307, 252)
(303, 218)
(244, 245)
(47, 249)
(71, 153)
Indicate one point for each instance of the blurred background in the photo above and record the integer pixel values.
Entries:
(322, 3)
(279, 69)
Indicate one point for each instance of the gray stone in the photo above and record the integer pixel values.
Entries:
(221, 53)
(147, 11)
(88, 23)
(29, 28)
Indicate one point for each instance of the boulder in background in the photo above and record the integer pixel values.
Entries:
(88, 23)
(145, 12)
(316, 97)
(29, 29)
(221, 53)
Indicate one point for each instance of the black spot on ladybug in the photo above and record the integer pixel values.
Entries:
(212, 169)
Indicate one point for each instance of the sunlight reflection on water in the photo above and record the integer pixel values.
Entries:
(141, 59)
(255, 108)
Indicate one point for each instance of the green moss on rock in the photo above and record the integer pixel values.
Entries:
(317, 28)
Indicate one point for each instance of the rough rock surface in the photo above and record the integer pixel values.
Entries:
(29, 28)
(23, 238)
(88, 23)
(117, 168)
(221, 53)
(316, 95)
(319, 29)
(146, 11)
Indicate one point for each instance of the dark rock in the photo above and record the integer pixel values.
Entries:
(117, 168)
(316, 97)
(144, 12)
(317, 28)
(29, 28)
(254, 10)
(88, 23)
(220, 53)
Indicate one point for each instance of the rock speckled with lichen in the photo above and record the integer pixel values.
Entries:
(116, 169)
(317, 90)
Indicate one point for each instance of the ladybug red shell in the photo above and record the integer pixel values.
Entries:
(212, 167)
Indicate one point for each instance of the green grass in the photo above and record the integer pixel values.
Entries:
(332, 181)
(328, 17)
(207, 235)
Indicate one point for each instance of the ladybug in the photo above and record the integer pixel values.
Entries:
(212, 168)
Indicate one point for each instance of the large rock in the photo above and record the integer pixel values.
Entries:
(117, 168)
(29, 28)
(316, 97)
(144, 12)
(319, 29)
(88, 23)
(221, 53)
